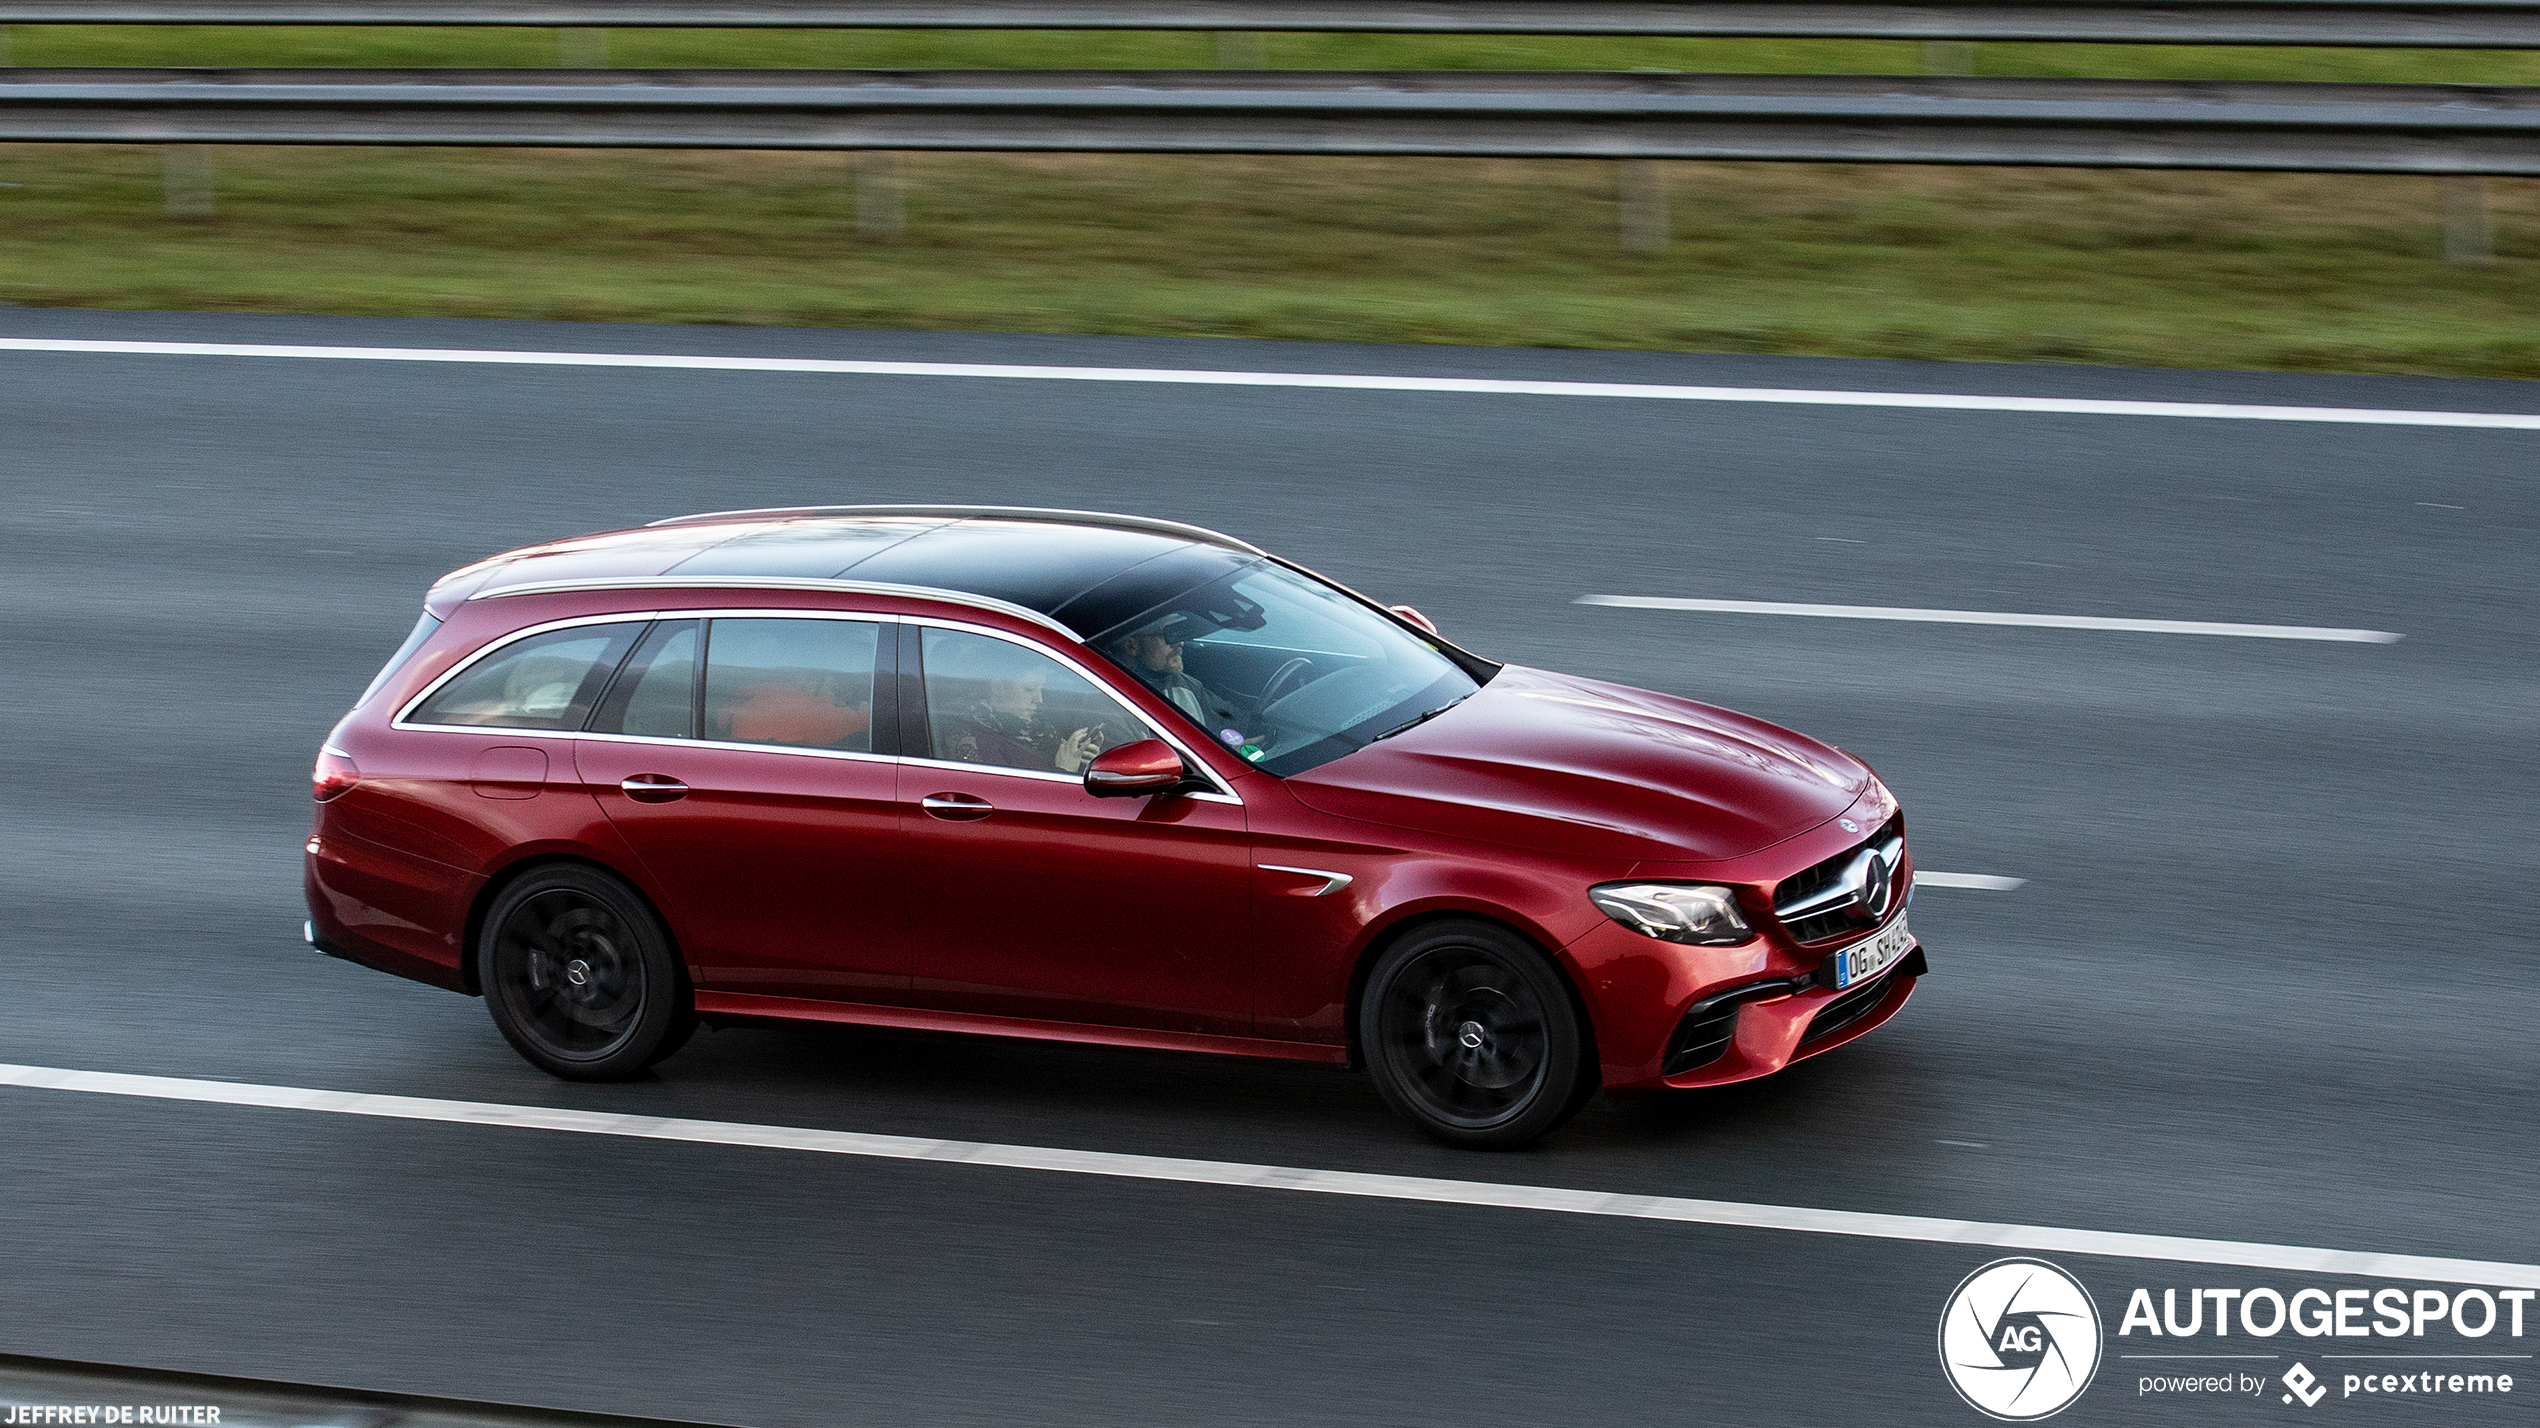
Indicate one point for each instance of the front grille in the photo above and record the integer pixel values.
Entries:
(1822, 926)
(1807, 883)
(1848, 1008)
(1801, 900)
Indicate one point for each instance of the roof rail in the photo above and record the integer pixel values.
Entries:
(776, 582)
(1004, 513)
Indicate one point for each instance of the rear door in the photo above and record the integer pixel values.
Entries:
(760, 796)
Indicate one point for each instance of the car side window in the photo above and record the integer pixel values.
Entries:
(991, 701)
(655, 696)
(804, 684)
(546, 681)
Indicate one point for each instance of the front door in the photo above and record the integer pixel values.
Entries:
(1032, 898)
(759, 802)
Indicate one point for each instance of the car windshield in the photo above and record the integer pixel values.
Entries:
(1288, 672)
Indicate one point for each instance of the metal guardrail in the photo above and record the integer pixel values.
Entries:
(2420, 129)
(2472, 24)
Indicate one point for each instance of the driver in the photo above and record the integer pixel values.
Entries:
(1154, 654)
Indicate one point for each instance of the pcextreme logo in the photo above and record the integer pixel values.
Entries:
(2019, 1339)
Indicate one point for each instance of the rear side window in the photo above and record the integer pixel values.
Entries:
(655, 697)
(546, 681)
(804, 684)
(422, 631)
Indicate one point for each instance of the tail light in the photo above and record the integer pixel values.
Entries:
(334, 775)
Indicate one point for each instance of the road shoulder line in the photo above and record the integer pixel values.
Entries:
(1483, 386)
(1235, 1174)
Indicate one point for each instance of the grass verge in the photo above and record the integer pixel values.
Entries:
(2267, 271)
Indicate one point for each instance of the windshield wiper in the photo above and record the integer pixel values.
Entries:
(1416, 720)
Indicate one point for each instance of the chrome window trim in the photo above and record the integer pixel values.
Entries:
(1053, 776)
(1100, 520)
(861, 756)
(778, 582)
(405, 712)
(1219, 790)
(633, 617)
(1007, 770)
(1223, 792)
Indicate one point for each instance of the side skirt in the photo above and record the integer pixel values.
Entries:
(745, 1007)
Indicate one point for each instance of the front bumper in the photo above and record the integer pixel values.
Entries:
(1661, 1009)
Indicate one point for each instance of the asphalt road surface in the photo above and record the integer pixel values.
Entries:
(2268, 979)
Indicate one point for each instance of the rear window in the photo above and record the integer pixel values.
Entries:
(546, 681)
(422, 631)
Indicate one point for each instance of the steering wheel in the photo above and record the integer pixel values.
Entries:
(1278, 684)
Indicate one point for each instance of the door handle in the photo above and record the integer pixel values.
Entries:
(653, 788)
(957, 807)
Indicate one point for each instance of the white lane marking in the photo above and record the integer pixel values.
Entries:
(1994, 617)
(2294, 1258)
(1981, 882)
(1488, 386)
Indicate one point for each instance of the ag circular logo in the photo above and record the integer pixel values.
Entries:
(2019, 1339)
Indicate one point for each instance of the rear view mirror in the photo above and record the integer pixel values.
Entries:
(1414, 616)
(1132, 770)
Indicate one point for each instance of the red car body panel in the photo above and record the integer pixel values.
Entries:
(803, 886)
(1061, 907)
(776, 872)
(1543, 762)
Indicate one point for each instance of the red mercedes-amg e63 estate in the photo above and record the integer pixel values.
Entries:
(1090, 778)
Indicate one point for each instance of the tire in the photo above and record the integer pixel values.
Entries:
(579, 975)
(1471, 1034)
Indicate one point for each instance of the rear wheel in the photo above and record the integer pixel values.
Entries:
(1471, 1035)
(580, 977)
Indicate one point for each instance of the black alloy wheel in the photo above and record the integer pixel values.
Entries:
(1471, 1034)
(580, 976)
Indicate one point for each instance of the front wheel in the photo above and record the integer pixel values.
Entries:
(1471, 1035)
(580, 976)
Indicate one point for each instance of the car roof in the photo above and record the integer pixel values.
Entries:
(1085, 570)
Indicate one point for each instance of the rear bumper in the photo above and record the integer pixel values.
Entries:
(340, 916)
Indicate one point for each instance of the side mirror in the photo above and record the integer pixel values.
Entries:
(1134, 770)
(1414, 617)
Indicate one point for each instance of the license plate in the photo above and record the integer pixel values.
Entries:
(1864, 960)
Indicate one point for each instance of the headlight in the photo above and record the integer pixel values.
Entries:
(1673, 912)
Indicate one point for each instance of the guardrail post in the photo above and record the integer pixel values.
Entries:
(2469, 237)
(881, 198)
(582, 48)
(1640, 190)
(1242, 49)
(1944, 57)
(185, 176)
